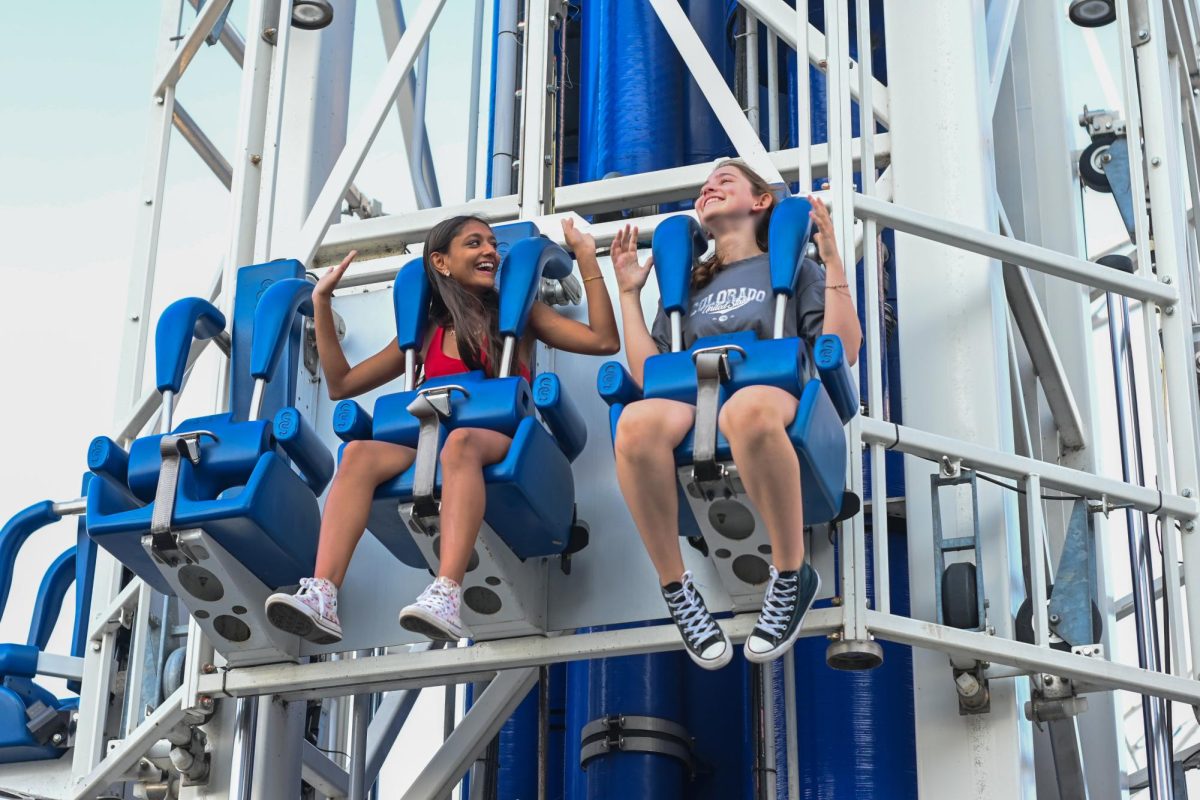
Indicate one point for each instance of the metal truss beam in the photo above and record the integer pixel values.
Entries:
(487, 715)
(780, 18)
(204, 147)
(683, 183)
(231, 39)
(203, 25)
(365, 131)
(319, 772)
(126, 755)
(934, 447)
(1000, 247)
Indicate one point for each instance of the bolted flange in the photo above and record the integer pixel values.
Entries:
(853, 655)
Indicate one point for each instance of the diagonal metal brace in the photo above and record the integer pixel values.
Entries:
(712, 369)
(173, 447)
(430, 407)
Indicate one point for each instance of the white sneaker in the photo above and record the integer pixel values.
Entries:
(310, 613)
(435, 613)
(706, 643)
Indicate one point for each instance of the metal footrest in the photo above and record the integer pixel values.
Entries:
(502, 595)
(224, 597)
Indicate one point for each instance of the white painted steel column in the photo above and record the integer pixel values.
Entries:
(135, 327)
(1035, 174)
(954, 372)
(535, 176)
(279, 735)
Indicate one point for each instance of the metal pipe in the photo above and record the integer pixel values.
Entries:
(781, 300)
(676, 331)
(224, 343)
(791, 727)
(1158, 743)
(504, 99)
(769, 767)
(425, 196)
(256, 398)
(473, 106)
(1000, 247)
(543, 742)
(410, 369)
(506, 357)
(752, 106)
(241, 779)
(204, 147)
(804, 174)
(71, 508)
(168, 410)
(772, 91)
(231, 39)
(360, 720)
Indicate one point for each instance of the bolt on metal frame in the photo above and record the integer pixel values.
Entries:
(1154, 89)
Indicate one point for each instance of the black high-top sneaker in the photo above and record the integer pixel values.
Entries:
(706, 643)
(788, 598)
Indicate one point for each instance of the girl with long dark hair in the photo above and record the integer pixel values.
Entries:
(460, 260)
(731, 291)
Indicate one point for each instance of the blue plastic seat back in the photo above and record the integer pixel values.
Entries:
(182, 322)
(252, 284)
(678, 242)
(787, 240)
(410, 300)
(521, 278)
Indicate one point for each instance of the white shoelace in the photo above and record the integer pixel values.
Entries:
(440, 598)
(779, 604)
(326, 600)
(692, 618)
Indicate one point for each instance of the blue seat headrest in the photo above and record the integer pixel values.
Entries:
(182, 321)
(273, 318)
(410, 298)
(787, 239)
(678, 243)
(521, 278)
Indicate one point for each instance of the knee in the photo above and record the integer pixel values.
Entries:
(748, 416)
(461, 449)
(356, 461)
(637, 432)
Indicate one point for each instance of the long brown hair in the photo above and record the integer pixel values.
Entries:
(473, 318)
(711, 265)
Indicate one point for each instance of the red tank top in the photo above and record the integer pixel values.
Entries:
(437, 363)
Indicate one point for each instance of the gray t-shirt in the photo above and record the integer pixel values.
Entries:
(739, 298)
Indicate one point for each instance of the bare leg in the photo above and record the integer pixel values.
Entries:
(365, 465)
(464, 455)
(647, 435)
(755, 421)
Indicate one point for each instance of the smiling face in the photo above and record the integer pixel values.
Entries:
(728, 197)
(471, 260)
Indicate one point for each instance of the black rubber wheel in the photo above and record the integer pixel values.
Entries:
(1023, 629)
(960, 603)
(1092, 13)
(1091, 167)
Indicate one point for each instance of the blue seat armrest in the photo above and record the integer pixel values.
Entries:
(108, 460)
(835, 375)
(615, 385)
(351, 421)
(560, 414)
(53, 590)
(304, 447)
(13, 536)
(180, 323)
(18, 661)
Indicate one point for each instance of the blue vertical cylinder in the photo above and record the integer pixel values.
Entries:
(517, 772)
(631, 91)
(856, 735)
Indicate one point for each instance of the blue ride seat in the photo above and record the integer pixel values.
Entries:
(819, 379)
(250, 479)
(530, 493)
(35, 725)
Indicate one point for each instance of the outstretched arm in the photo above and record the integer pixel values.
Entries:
(599, 336)
(631, 278)
(841, 318)
(342, 380)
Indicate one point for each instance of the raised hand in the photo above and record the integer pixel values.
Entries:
(824, 237)
(631, 276)
(576, 240)
(331, 278)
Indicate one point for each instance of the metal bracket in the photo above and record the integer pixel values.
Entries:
(712, 369)
(635, 734)
(974, 692)
(1101, 122)
(1054, 698)
(942, 545)
(1139, 23)
(172, 447)
(430, 407)
(565, 292)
